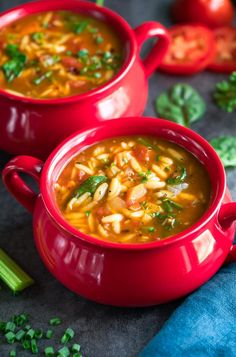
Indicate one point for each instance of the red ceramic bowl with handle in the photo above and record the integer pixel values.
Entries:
(35, 126)
(127, 274)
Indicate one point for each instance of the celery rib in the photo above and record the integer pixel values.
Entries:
(12, 275)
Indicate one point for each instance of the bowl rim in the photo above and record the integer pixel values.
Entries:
(41, 6)
(54, 158)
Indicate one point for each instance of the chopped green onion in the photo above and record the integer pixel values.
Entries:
(34, 347)
(10, 337)
(30, 334)
(99, 40)
(87, 213)
(80, 27)
(49, 334)
(151, 229)
(76, 347)
(40, 79)
(49, 351)
(63, 352)
(38, 334)
(37, 37)
(68, 335)
(97, 75)
(12, 353)
(10, 326)
(55, 321)
(77, 354)
(83, 53)
(26, 344)
(27, 327)
(12, 274)
(19, 335)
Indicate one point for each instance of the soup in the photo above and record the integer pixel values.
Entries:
(57, 54)
(133, 190)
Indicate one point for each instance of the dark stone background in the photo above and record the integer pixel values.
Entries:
(102, 331)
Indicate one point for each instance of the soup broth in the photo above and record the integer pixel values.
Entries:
(133, 190)
(57, 54)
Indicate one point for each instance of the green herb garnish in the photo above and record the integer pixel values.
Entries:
(37, 37)
(79, 27)
(225, 94)
(225, 147)
(55, 321)
(99, 40)
(67, 336)
(181, 104)
(170, 205)
(40, 79)
(179, 178)
(144, 176)
(90, 185)
(83, 53)
(13, 68)
(100, 2)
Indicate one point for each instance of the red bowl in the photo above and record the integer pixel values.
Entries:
(127, 274)
(35, 126)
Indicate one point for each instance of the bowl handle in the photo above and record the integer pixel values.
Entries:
(148, 30)
(15, 184)
(227, 216)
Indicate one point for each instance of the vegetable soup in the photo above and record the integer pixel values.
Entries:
(133, 190)
(57, 54)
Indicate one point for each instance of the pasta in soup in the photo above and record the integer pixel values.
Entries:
(57, 54)
(133, 190)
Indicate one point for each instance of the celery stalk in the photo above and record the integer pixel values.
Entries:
(12, 274)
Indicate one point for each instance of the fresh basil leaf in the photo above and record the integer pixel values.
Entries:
(225, 146)
(225, 94)
(181, 104)
(90, 185)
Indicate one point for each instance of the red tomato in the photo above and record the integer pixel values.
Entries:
(213, 13)
(225, 58)
(192, 48)
(142, 153)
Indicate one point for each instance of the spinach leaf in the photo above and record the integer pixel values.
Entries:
(15, 65)
(90, 185)
(179, 178)
(225, 146)
(225, 94)
(147, 143)
(181, 104)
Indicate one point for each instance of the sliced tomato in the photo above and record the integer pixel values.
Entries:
(192, 48)
(212, 13)
(225, 57)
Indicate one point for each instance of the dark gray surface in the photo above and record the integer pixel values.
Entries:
(102, 331)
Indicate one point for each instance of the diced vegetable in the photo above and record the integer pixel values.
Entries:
(55, 321)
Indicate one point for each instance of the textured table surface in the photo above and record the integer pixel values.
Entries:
(102, 331)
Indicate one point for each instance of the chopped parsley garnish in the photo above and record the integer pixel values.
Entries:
(178, 177)
(144, 176)
(37, 37)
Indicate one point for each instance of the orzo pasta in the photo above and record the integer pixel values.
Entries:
(133, 190)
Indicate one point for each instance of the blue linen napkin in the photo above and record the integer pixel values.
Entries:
(204, 325)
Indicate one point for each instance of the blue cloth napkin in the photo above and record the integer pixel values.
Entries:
(204, 325)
